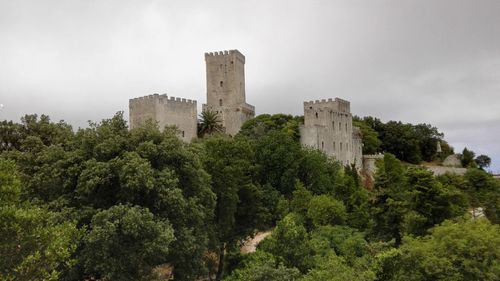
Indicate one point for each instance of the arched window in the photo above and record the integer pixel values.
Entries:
(221, 84)
(340, 146)
(322, 145)
(316, 115)
(220, 101)
(182, 133)
(333, 146)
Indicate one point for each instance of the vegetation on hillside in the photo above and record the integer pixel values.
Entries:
(110, 203)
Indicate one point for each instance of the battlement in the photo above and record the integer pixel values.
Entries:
(225, 53)
(163, 99)
(337, 104)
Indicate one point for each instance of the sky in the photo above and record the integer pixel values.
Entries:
(417, 61)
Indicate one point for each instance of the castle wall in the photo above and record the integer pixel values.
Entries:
(328, 127)
(226, 89)
(167, 111)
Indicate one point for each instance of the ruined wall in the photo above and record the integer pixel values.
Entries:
(328, 127)
(167, 111)
(226, 89)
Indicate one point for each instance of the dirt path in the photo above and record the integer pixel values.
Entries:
(250, 245)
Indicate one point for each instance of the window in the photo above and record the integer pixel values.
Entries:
(182, 133)
(346, 127)
(220, 102)
(322, 145)
(340, 146)
(340, 126)
(347, 147)
(316, 115)
(333, 146)
(221, 84)
(333, 125)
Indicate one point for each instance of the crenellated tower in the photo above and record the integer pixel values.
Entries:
(167, 111)
(226, 89)
(328, 127)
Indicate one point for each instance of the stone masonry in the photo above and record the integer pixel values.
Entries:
(167, 111)
(226, 89)
(328, 127)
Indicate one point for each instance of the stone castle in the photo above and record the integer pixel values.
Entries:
(327, 123)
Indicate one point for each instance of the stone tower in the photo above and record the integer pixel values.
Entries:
(226, 89)
(167, 111)
(328, 127)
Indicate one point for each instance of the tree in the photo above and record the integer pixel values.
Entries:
(263, 124)
(467, 158)
(371, 142)
(147, 241)
(464, 250)
(430, 201)
(238, 212)
(324, 210)
(289, 243)
(209, 123)
(262, 266)
(391, 202)
(278, 158)
(483, 161)
(34, 243)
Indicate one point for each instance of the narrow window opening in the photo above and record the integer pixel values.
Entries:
(346, 127)
(333, 146)
(346, 147)
(220, 101)
(322, 145)
(221, 84)
(316, 115)
(340, 126)
(333, 125)
(182, 133)
(341, 146)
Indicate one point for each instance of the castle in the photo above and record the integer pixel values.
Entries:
(327, 123)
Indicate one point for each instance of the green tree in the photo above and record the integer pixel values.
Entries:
(239, 210)
(278, 158)
(467, 158)
(391, 202)
(324, 210)
(371, 142)
(262, 266)
(147, 241)
(34, 243)
(289, 243)
(483, 161)
(263, 124)
(465, 250)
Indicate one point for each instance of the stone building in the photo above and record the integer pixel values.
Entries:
(225, 96)
(328, 127)
(226, 89)
(167, 111)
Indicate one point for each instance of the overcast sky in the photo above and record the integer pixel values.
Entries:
(434, 61)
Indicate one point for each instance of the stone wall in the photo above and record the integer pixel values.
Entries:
(328, 127)
(167, 111)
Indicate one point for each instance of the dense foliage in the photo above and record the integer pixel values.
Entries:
(110, 203)
(408, 142)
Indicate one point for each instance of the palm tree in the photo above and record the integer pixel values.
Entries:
(209, 123)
